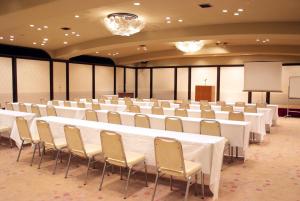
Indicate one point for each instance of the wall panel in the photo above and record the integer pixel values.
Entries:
(104, 80)
(120, 79)
(33, 80)
(163, 83)
(6, 80)
(59, 80)
(130, 80)
(143, 83)
(80, 81)
(182, 83)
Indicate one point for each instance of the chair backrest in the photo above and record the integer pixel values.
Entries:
(96, 106)
(203, 102)
(141, 120)
(139, 100)
(45, 133)
(112, 148)
(261, 105)
(23, 129)
(236, 116)
(180, 112)
(36, 110)
(9, 106)
(153, 100)
(104, 97)
(55, 102)
(221, 103)
(22, 107)
(134, 108)
(91, 115)
(43, 101)
(74, 140)
(169, 156)
(240, 104)
(157, 110)
(205, 107)
(184, 105)
(208, 114)
(114, 117)
(114, 101)
(128, 102)
(51, 111)
(227, 108)
(210, 127)
(115, 98)
(165, 104)
(173, 124)
(127, 98)
(80, 105)
(67, 103)
(250, 109)
(89, 100)
(76, 99)
(101, 100)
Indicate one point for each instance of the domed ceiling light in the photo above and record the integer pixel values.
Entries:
(189, 46)
(124, 24)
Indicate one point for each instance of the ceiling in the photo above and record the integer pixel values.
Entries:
(260, 19)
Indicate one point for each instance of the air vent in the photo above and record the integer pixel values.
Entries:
(66, 28)
(205, 5)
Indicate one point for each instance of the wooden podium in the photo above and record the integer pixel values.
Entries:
(205, 93)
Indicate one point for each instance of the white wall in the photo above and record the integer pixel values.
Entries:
(182, 83)
(80, 81)
(104, 80)
(120, 80)
(59, 80)
(6, 80)
(163, 83)
(33, 80)
(130, 80)
(143, 83)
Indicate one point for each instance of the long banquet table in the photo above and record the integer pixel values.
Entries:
(208, 150)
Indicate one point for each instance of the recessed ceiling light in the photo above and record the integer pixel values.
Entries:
(267, 40)
(42, 44)
(240, 10)
(97, 52)
(76, 16)
(264, 41)
(65, 42)
(66, 34)
(45, 39)
(34, 43)
(11, 39)
(169, 22)
(136, 3)
(225, 11)
(1, 37)
(180, 20)
(32, 25)
(257, 40)
(236, 14)
(73, 32)
(45, 27)
(109, 54)
(168, 18)
(77, 35)
(11, 36)
(39, 29)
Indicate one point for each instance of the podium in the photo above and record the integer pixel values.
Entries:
(204, 92)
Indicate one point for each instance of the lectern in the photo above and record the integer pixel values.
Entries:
(204, 92)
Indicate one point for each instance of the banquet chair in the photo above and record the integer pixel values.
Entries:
(113, 117)
(114, 101)
(115, 98)
(51, 111)
(22, 107)
(67, 104)
(208, 114)
(89, 100)
(173, 124)
(6, 129)
(101, 100)
(139, 100)
(153, 100)
(261, 105)
(227, 108)
(103, 97)
(43, 101)
(76, 99)
(9, 106)
(205, 107)
(96, 106)
(114, 154)
(36, 110)
(240, 104)
(210, 127)
(128, 102)
(127, 98)
(141, 120)
(250, 109)
(165, 104)
(134, 108)
(77, 148)
(157, 110)
(204, 102)
(55, 102)
(26, 136)
(236, 116)
(170, 161)
(91, 115)
(48, 142)
(221, 103)
(184, 105)
(80, 105)
(180, 112)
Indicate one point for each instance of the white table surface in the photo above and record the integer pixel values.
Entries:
(207, 150)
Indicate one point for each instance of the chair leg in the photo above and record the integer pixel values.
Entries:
(20, 151)
(11, 142)
(57, 155)
(68, 166)
(195, 185)
(127, 183)
(202, 184)
(35, 145)
(188, 183)
(236, 152)
(155, 185)
(39, 149)
(41, 156)
(121, 174)
(87, 171)
(102, 177)
(171, 183)
(146, 174)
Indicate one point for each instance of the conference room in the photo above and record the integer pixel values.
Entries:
(149, 100)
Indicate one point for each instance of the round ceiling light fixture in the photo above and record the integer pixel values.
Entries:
(123, 24)
(189, 46)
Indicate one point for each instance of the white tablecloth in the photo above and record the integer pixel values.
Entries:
(8, 118)
(198, 148)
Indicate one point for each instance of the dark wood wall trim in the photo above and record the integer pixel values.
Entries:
(51, 80)
(14, 79)
(67, 81)
(124, 80)
(249, 97)
(93, 81)
(189, 83)
(175, 83)
(151, 83)
(218, 82)
(115, 80)
(268, 97)
(136, 83)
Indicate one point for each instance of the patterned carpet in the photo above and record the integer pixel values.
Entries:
(271, 173)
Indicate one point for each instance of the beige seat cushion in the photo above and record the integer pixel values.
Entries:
(60, 143)
(134, 158)
(192, 167)
(4, 128)
(92, 149)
